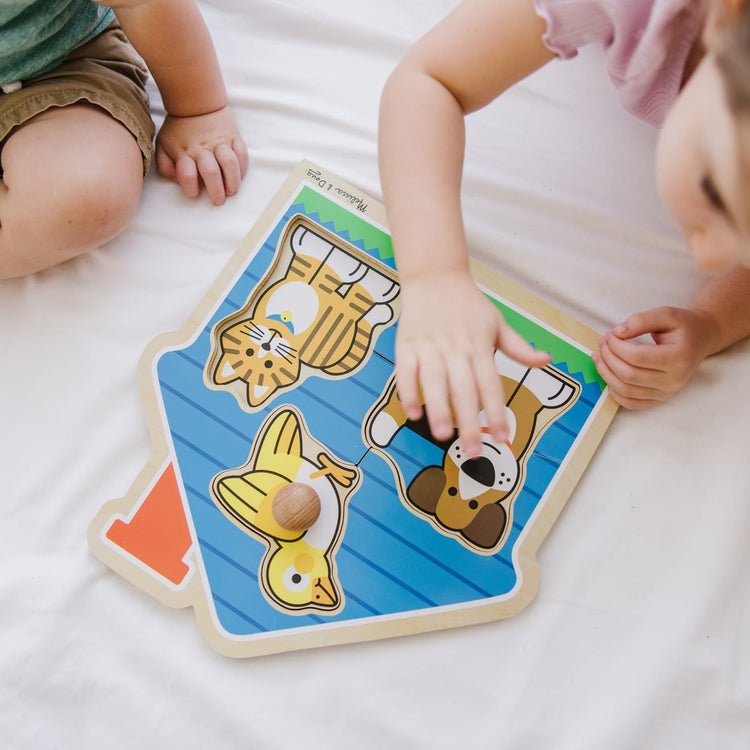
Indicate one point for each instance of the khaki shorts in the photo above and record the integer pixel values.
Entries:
(106, 72)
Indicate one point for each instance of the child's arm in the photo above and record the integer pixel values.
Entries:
(448, 330)
(642, 374)
(199, 140)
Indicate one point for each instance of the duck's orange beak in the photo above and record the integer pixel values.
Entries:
(324, 594)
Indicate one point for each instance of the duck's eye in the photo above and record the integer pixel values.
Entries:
(712, 194)
(294, 580)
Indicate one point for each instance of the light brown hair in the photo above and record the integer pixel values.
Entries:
(733, 57)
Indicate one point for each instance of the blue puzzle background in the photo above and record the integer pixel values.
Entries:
(390, 561)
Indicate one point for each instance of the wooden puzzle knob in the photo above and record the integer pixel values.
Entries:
(296, 506)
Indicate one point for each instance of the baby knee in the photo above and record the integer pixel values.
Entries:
(99, 205)
(39, 229)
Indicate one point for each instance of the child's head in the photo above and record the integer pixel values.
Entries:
(703, 156)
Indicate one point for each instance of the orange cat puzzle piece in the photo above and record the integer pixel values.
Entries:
(158, 534)
(296, 506)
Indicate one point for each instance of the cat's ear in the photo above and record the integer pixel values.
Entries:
(257, 394)
(224, 372)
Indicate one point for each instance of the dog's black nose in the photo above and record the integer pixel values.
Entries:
(480, 470)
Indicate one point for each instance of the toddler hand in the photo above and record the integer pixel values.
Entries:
(447, 334)
(642, 374)
(204, 149)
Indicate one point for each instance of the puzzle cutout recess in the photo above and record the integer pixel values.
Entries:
(289, 500)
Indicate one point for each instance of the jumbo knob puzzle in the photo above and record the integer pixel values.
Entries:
(289, 500)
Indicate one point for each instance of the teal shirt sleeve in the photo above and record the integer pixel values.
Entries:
(37, 35)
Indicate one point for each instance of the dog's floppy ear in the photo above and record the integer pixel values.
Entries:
(424, 491)
(487, 527)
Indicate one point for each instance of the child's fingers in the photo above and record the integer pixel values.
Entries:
(407, 384)
(631, 383)
(211, 175)
(434, 381)
(186, 174)
(165, 164)
(230, 167)
(517, 348)
(627, 372)
(465, 401)
(627, 395)
(646, 363)
(657, 320)
(240, 149)
(491, 397)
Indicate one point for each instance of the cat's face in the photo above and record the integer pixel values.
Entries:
(256, 352)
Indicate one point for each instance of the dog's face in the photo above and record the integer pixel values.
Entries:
(473, 499)
(495, 469)
(473, 483)
(464, 494)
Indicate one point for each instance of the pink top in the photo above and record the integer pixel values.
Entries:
(647, 43)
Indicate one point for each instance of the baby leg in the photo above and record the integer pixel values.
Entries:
(72, 179)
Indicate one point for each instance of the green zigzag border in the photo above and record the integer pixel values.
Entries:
(342, 219)
(576, 360)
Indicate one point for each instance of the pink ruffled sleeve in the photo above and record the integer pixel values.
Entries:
(572, 24)
(647, 43)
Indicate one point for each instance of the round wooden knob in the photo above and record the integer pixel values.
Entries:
(295, 506)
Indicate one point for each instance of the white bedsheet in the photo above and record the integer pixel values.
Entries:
(640, 634)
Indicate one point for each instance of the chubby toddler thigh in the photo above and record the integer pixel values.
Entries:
(71, 173)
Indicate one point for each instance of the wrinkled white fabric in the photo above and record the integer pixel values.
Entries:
(638, 637)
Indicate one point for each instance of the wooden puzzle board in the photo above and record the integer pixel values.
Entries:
(393, 567)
